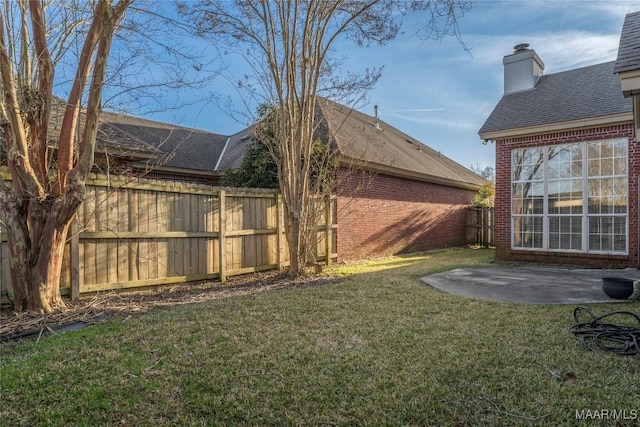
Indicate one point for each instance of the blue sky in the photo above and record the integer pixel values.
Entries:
(440, 94)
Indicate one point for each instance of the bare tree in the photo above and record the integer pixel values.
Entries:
(290, 46)
(488, 172)
(60, 63)
(38, 208)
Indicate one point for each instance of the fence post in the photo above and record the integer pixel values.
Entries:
(327, 232)
(222, 238)
(1, 244)
(75, 260)
(280, 221)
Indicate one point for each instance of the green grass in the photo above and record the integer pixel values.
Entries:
(377, 347)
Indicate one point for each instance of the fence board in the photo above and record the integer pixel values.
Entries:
(140, 233)
(480, 226)
(123, 245)
(134, 220)
(87, 221)
(222, 247)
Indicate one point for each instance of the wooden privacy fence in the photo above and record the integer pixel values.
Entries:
(139, 233)
(480, 226)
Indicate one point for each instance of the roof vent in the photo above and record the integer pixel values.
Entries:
(521, 47)
(376, 123)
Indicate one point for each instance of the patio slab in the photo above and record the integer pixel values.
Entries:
(529, 285)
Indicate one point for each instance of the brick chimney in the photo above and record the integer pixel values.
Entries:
(522, 69)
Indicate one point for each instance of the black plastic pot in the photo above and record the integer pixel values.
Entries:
(617, 287)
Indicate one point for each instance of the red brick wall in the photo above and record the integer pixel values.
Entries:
(503, 198)
(381, 215)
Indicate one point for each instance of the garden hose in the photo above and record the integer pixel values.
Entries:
(596, 334)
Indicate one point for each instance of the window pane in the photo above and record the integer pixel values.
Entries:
(526, 164)
(527, 198)
(607, 234)
(565, 232)
(565, 161)
(620, 166)
(565, 197)
(527, 232)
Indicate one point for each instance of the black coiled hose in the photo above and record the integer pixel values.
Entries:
(597, 334)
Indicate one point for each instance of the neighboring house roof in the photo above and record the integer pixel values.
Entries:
(582, 93)
(629, 48)
(172, 147)
(234, 149)
(385, 150)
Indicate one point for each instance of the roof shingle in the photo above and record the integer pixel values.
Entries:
(629, 48)
(359, 142)
(581, 93)
(178, 147)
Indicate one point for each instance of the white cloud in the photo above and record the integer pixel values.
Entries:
(572, 49)
(614, 8)
(558, 50)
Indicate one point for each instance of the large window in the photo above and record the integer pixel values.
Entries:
(570, 197)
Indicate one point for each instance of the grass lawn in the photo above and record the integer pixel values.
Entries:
(377, 347)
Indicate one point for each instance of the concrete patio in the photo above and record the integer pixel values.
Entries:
(529, 285)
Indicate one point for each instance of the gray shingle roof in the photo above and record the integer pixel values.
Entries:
(235, 149)
(629, 48)
(581, 93)
(358, 141)
(174, 146)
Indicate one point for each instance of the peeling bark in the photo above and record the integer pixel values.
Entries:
(37, 216)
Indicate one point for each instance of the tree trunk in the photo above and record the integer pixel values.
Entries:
(297, 251)
(36, 249)
(17, 242)
(46, 274)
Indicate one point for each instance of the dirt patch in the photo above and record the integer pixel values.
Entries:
(99, 308)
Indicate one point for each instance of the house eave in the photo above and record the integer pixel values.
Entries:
(402, 173)
(613, 119)
(630, 83)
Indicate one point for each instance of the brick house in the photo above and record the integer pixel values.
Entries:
(567, 160)
(394, 194)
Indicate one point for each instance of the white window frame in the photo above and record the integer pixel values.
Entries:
(585, 202)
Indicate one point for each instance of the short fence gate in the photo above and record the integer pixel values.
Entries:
(480, 226)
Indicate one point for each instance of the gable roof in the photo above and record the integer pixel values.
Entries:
(388, 150)
(385, 150)
(582, 93)
(234, 149)
(171, 146)
(629, 48)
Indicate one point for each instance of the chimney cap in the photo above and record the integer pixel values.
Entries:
(521, 47)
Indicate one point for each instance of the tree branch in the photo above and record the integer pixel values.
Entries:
(109, 15)
(16, 139)
(72, 112)
(41, 98)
